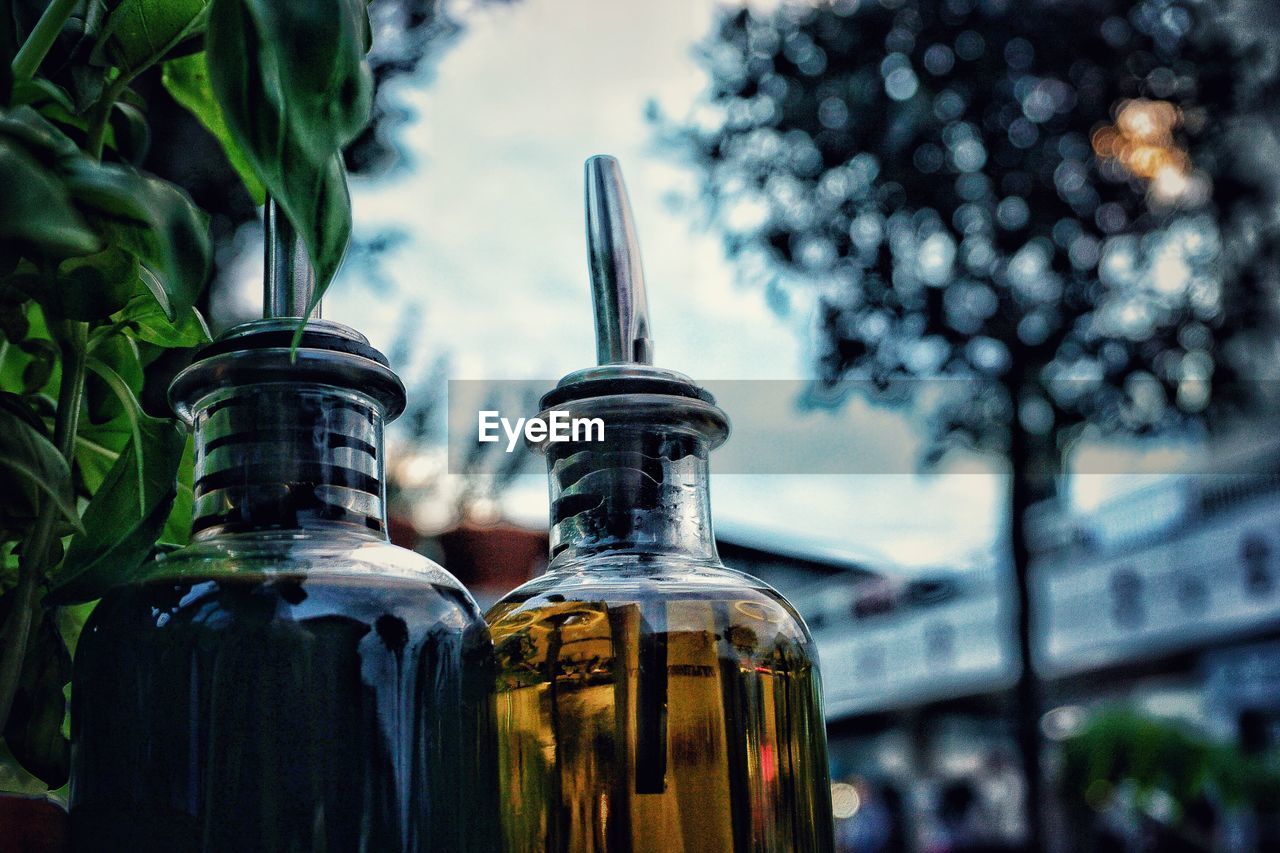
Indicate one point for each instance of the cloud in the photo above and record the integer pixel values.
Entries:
(494, 270)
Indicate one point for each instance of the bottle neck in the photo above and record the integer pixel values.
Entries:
(288, 457)
(643, 490)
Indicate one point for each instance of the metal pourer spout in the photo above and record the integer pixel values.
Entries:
(288, 280)
(617, 276)
(624, 386)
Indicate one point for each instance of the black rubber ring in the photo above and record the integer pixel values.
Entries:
(630, 385)
(281, 338)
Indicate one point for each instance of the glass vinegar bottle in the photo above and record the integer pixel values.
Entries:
(291, 681)
(649, 698)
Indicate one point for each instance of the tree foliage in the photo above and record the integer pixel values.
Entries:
(1052, 200)
(1123, 760)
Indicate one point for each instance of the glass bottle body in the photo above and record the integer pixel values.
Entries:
(276, 692)
(291, 681)
(649, 698)
(658, 706)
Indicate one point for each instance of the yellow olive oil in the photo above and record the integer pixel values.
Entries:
(650, 720)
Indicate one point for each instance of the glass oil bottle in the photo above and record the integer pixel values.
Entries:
(649, 698)
(290, 681)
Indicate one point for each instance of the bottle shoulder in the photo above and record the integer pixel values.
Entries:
(275, 611)
(625, 580)
(272, 554)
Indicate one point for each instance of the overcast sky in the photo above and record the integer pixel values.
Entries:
(493, 273)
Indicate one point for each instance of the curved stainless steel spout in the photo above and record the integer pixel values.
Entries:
(617, 277)
(288, 280)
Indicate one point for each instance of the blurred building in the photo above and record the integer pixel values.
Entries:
(1165, 601)
(916, 672)
(1169, 598)
(491, 560)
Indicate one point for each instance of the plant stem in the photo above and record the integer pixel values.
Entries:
(70, 394)
(101, 114)
(17, 627)
(42, 37)
(35, 563)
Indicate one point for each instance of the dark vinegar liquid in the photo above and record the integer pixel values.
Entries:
(282, 713)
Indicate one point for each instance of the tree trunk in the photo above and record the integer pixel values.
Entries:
(1027, 693)
(1032, 479)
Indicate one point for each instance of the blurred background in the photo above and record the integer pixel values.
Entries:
(1057, 626)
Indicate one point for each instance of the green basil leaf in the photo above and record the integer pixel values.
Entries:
(320, 48)
(130, 134)
(121, 392)
(187, 80)
(39, 91)
(8, 566)
(144, 319)
(90, 287)
(19, 408)
(32, 468)
(71, 622)
(8, 49)
(41, 138)
(177, 528)
(98, 446)
(310, 53)
(39, 370)
(14, 324)
(114, 381)
(96, 286)
(153, 220)
(319, 201)
(294, 88)
(13, 360)
(33, 731)
(125, 517)
(35, 211)
(140, 32)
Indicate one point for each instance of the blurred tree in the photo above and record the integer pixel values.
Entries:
(440, 487)
(1160, 772)
(409, 36)
(1029, 196)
